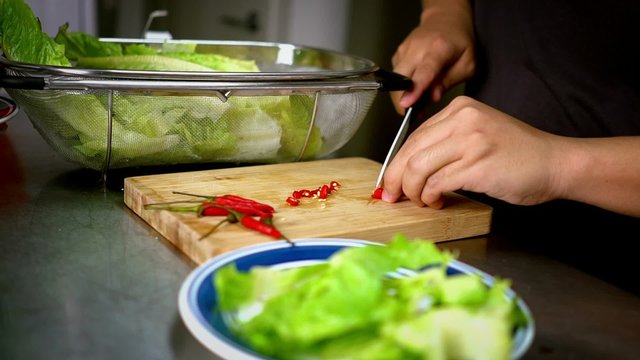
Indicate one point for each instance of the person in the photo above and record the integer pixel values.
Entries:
(548, 128)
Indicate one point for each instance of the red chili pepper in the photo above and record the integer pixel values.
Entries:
(213, 210)
(248, 210)
(261, 227)
(267, 219)
(324, 191)
(244, 207)
(239, 199)
(377, 193)
(321, 193)
(293, 201)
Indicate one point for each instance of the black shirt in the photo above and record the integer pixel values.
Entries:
(569, 68)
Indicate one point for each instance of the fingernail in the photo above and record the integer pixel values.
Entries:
(404, 100)
(386, 196)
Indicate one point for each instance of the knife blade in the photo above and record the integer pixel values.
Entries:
(395, 146)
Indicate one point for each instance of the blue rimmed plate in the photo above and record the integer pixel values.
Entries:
(197, 297)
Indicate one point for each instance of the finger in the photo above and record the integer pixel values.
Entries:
(434, 130)
(459, 71)
(423, 137)
(423, 165)
(446, 179)
(395, 99)
(422, 79)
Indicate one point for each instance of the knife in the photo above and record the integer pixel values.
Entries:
(395, 146)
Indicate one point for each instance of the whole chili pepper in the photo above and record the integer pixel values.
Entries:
(258, 205)
(213, 210)
(230, 199)
(261, 227)
(244, 207)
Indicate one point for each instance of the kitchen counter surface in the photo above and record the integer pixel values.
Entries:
(82, 277)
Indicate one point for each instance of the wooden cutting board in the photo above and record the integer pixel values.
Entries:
(348, 213)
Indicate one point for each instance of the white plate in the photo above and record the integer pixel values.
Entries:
(197, 297)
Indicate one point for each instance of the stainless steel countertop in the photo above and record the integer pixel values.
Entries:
(82, 277)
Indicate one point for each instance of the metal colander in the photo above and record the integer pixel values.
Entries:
(304, 103)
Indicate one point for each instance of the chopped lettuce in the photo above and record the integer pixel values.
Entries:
(157, 129)
(372, 302)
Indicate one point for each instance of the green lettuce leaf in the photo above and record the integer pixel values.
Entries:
(139, 49)
(180, 128)
(371, 302)
(216, 62)
(79, 44)
(139, 62)
(22, 38)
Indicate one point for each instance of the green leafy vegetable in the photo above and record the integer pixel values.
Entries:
(139, 62)
(149, 130)
(357, 305)
(22, 38)
(78, 44)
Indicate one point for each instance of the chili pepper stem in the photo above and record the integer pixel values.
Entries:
(194, 195)
(159, 204)
(172, 208)
(213, 229)
(288, 240)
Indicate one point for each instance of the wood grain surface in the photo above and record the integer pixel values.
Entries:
(348, 213)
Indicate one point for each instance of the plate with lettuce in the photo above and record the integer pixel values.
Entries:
(352, 299)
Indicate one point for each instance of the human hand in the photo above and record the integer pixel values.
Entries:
(438, 54)
(471, 146)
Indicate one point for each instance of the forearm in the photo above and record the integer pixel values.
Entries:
(604, 172)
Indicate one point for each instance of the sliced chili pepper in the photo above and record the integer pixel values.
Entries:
(377, 193)
(296, 194)
(334, 185)
(293, 201)
(324, 191)
(261, 227)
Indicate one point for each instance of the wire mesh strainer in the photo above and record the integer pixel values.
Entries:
(303, 104)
